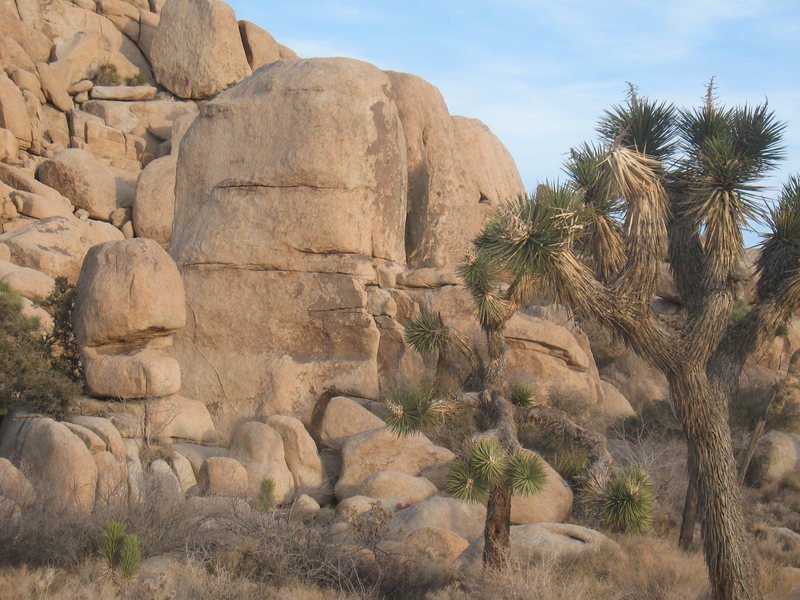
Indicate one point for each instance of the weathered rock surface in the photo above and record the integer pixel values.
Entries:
(14, 485)
(382, 450)
(301, 457)
(467, 520)
(163, 478)
(551, 505)
(260, 449)
(59, 466)
(529, 542)
(154, 209)
(777, 455)
(107, 432)
(394, 484)
(112, 479)
(39, 207)
(87, 182)
(128, 291)
(260, 47)
(437, 544)
(197, 50)
(13, 114)
(136, 373)
(343, 419)
(28, 283)
(222, 476)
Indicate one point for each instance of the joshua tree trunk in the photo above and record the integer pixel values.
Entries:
(705, 423)
(689, 508)
(497, 531)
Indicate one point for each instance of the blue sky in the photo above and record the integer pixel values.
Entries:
(540, 72)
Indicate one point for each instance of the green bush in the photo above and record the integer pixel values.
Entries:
(627, 501)
(106, 74)
(521, 394)
(571, 463)
(138, 79)
(27, 378)
(62, 343)
(266, 495)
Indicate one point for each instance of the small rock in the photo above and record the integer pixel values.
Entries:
(222, 476)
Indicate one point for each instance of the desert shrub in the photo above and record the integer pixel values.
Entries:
(138, 79)
(62, 342)
(266, 495)
(740, 310)
(106, 74)
(571, 463)
(27, 378)
(626, 503)
(655, 420)
(577, 408)
(784, 413)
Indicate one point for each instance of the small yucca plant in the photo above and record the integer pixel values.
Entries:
(413, 410)
(521, 394)
(627, 501)
(266, 495)
(571, 463)
(113, 535)
(486, 463)
(130, 555)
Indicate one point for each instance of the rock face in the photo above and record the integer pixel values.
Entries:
(552, 505)
(260, 449)
(777, 455)
(467, 520)
(343, 419)
(197, 50)
(301, 456)
(357, 184)
(130, 301)
(154, 209)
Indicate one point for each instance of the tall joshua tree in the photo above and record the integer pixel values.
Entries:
(680, 186)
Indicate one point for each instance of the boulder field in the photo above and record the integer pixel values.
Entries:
(249, 233)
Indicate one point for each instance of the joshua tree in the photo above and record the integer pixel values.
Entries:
(495, 465)
(680, 186)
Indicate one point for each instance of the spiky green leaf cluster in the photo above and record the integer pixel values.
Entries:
(113, 534)
(521, 394)
(527, 474)
(481, 277)
(413, 410)
(130, 555)
(627, 501)
(571, 463)
(525, 238)
(487, 464)
(426, 333)
(642, 124)
(780, 254)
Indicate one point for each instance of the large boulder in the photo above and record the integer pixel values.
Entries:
(467, 520)
(87, 182)
(382, 450)
(13, 114)
(58, 245)
(560, 540)
(154, 208)
(553, 504)
(129, 290)
(302, 457)
(58, 465)
(197, 50)
(405, 488)
(344, 418)
(777, 455)
(14, 485)
(260, 449)
(300, 177)
(259, 45)
(223, 476)
(28, 283)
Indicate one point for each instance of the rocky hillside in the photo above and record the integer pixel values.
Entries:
(249, 233)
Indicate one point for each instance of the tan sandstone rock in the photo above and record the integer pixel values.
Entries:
(222, 476)
(54, 88)
(259, 45)
(87, 182)
(344, 418)
(467, 520)
(777, 455)
(154, 209)
(128, 291)
(14, 485)
(553, 504)
(141, 373)
(382, 450)
(107, 432)
(112, 479)
(293, 179)
(301, 456)
(13, 114)
(394, 484)
(438, 544)
(59, 466)
(260, 449)
(197, 50)
(39, 207)
(28, 283)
